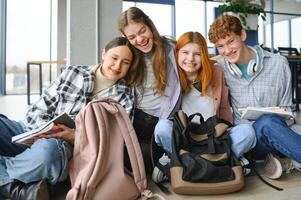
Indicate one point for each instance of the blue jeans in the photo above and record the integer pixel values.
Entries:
(273, 135)
(242, 136)
(46, 159)
(8, 129)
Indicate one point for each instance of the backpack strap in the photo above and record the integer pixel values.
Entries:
(147, 194)
(135, 155)
(251, 157)
(133, 148)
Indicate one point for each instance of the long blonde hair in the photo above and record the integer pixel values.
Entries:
(204, 74)
(159, 58)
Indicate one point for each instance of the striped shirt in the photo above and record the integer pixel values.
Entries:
(70, 92)
(269, 86)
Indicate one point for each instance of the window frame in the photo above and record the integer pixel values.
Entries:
(3, 47)
(168, 2)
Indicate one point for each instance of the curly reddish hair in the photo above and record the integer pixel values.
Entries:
(223, 26)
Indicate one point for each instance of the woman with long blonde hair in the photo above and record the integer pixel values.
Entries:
(158, 95)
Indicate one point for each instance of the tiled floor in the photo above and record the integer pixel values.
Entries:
(15, 107)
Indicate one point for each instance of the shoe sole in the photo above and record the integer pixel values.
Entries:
(278, 173)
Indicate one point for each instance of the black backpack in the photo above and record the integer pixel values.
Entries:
(201, 159)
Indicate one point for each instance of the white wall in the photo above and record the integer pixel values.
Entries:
(84, 27)
(82, 32)
(61, 31)
(109, 10)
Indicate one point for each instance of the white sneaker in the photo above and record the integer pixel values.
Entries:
(272, 167)
(245, 164)
(158, 176)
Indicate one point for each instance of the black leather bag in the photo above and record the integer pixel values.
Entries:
(201, 159)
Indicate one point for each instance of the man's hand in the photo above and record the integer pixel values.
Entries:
(64, 132)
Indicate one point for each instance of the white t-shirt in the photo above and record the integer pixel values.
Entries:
(193, 102)
(150, 101)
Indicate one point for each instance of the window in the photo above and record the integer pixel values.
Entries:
(189, 16)
(211, 6)
(163, 21)
(261, 30)
(296, 39)
(281, 34)
(28, 38)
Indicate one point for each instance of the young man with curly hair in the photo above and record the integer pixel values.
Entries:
(257, 78)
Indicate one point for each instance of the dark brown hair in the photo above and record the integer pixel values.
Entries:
(132, 75)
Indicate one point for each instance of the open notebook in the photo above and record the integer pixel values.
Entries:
(49, 127)
(252, 113)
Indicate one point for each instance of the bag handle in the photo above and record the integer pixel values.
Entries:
(208, 126)
(147, 194)
(196, 114)
(133, 148)
(190, 123)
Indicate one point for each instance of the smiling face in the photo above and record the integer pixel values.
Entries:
(116, 62)
(232, 47)
(189, 58)
(140, 36)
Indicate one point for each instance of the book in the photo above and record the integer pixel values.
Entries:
(49, 127)
(252, 113)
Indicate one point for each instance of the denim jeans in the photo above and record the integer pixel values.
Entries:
(274, 135)
(8, 129)
(46, 159)
(163, 134)
(242, 137)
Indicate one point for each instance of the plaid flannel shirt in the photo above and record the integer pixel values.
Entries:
(271, 84)
(70, 92)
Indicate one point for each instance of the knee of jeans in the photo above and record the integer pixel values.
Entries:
(163, 129)
(245, 133)
(250, 135)
(267, 120)
(47, 151)
(243, 139)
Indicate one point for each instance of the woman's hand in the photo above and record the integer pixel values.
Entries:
(64, 133)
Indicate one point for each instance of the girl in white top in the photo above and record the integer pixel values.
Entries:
(205, 92)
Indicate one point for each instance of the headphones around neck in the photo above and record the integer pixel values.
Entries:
(253, 66)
